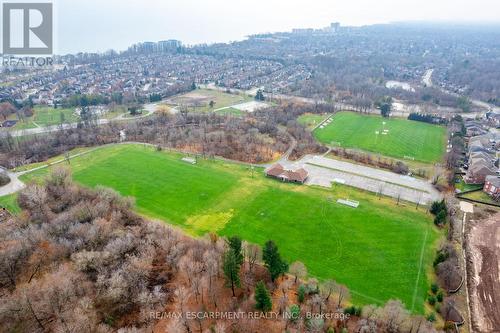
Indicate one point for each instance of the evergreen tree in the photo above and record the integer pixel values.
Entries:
(440, 218)
(231, 270)
(438, 206)
(301, 295)
(262, 298)
(385, 109)
(275, 265)
(260, 95)
(235, 245)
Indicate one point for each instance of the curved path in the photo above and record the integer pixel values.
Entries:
(17, 185)
(150, 108)
(14, 186)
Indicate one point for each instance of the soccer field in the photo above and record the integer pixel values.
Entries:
(392, 137)
(375, 250)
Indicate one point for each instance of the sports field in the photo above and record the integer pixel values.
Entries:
(380, 250)
(398, 138)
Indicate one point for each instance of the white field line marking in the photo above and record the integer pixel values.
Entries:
(322, 122)
(419, 269)
(367, 297)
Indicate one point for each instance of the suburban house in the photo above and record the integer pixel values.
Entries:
(492, 186)
(478, 171)
(474, 128)
(482, 158)
(293, 176)
(493, 119)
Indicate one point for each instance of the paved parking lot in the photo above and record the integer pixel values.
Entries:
(326, 171)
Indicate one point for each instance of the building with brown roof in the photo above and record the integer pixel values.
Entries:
(294, 176)
(275, 171)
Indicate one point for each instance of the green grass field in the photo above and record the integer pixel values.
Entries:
(421, 141)
(47, 116)
(9, 202)
(311, 120)
(231, 111)
(480, 196)
(380, 251)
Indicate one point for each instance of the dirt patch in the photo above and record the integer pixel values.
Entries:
(483, 264)
(190, 99)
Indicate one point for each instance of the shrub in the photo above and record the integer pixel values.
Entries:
(449, 326)
(431, 299)
(437, 207)
(294, 312)
(431, 317)
(439, 296)
(440, 218)
(434, 288)
(401, 168)
(301, 293)
(4, 179)
(440, 257)
(353, 311)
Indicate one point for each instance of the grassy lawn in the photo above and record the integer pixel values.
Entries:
(51, 160)
(464, 187)
(199, 100)
(481, 196)
(424, 142)
(375, 250)
(117, 111)
(47, 116)
(9, 202)
(310, 121)
(231, 111)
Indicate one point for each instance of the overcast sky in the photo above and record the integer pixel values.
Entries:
(99, 25)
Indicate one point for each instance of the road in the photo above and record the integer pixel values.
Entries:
(427, 80)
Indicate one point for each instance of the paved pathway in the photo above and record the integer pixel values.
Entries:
(150, 108)
(17, 185)
(14, 186)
